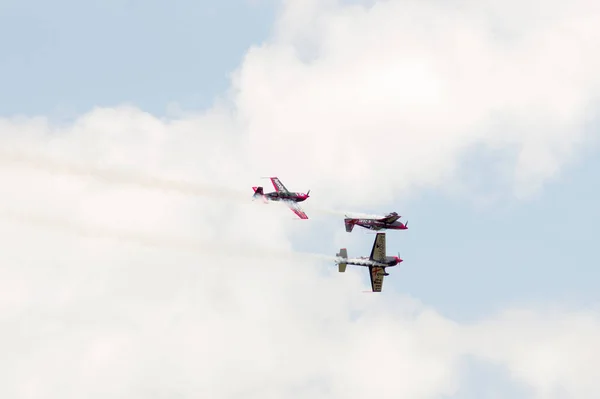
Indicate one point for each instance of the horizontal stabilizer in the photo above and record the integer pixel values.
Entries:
(341, 264)
(349, 225)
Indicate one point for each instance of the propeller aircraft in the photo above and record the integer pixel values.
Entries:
(388, 222)
(377, 262)
(281, 193)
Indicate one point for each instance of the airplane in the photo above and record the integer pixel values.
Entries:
(283, 194)
(388, 222)
(377, 262)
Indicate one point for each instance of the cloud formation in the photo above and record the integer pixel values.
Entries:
(396, 93)
(346, 100)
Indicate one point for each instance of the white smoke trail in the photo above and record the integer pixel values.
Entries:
(231, 249)
(117, 176)
(124, 177)
(311, 209)
(342, 213)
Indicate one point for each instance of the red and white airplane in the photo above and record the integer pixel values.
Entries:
(387, 222)
(281, 193)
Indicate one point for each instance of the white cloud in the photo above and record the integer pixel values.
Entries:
(86, 315)
(395, 93)
(552, 349)
(92, 316)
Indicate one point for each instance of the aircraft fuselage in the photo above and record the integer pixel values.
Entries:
(390, 261)
(377, 225)
(280, 195)
(294, 197)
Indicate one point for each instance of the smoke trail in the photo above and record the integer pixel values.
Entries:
(119, 176)
(342, 213)
(116, 176)
(156, 241)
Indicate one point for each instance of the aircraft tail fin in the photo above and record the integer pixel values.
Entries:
(349, 223)
(258, 193)
(341, 264)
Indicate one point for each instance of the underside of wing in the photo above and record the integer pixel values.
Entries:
(378, 251)
(391, 218)
(297, 210)
(279, 187)
(376, 273)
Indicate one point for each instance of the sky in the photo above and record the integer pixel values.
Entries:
(136, 265)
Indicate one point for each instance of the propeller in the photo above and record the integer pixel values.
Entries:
(308, 192)
(406, 224)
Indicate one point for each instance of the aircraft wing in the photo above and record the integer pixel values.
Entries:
(378, 251)
(391, 218)
(376, 275)
(297, 210)
(279, 187)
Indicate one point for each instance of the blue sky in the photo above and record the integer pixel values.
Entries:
(66, 57)
(469, 260)
(464, 259)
